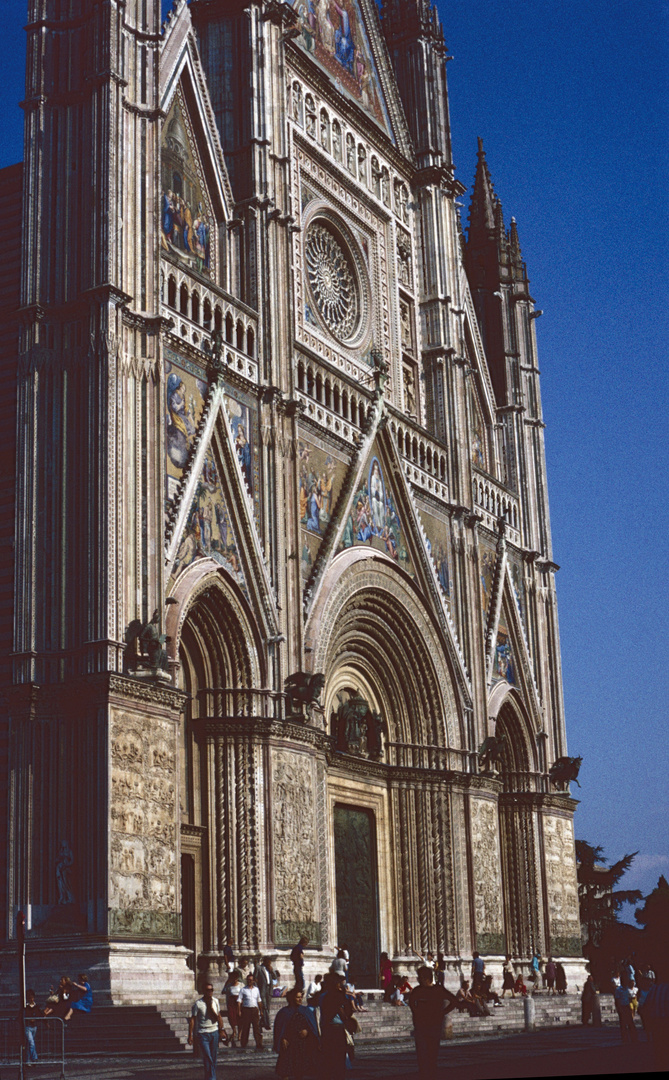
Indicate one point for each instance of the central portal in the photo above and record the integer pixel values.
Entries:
(357, 892)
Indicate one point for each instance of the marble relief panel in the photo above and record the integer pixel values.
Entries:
(487, 883)
(295, 844)
(562, 886)
(143, 812)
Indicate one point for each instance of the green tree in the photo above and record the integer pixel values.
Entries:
(654, 917)
(599, 901)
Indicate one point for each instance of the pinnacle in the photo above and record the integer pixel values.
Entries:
(482, 210)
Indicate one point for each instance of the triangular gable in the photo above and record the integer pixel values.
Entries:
(346, 42)
(383, 514)
(182, 75)
(510, 660)
(213, 513)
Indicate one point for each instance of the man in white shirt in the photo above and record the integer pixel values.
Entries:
(206, 1023)
(314, 987)
(251, 1005)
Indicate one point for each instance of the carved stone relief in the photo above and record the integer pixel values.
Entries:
(295, 839)
(487, 880)
(561, 885)
(143, 843)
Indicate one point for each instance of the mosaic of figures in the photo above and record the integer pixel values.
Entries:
(438, 534)
(208, 531)
(504, 666)
(374, 520)
(334, 34)
(185, 223)
(320, 479)
(185, 394)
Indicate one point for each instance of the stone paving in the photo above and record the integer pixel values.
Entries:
(563, 1052)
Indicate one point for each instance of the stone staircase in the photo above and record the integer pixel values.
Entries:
(146, 1030)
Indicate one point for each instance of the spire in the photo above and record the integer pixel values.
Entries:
(515, 254)
(482, 209)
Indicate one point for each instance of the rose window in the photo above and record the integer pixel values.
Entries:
(333, 281)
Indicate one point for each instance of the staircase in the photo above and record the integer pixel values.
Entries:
(147, 1030)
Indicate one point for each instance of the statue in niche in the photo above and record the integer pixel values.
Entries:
(490, 753)
(565, 771)
(358, 730)
(145, 652)
(303, 692)
(404, 270)
(63, 866)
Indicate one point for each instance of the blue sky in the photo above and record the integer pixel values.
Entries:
(571, 99)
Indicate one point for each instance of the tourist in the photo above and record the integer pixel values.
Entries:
(655, 1015)
(251, 1010)
(297, 960)
(401, 990)
(623, 999)
(206, 1024)
(232, 990)
(440, 969)
(60, 1003)
(508, 978)
(386, 976)
(551, 975)
(84, 1003)
(478, 969)
(356, 997)
(519, 986)
(429, 1003)
(338, 966)
(343, 954)
(489, 994)
(466, 1002)
(229, 955)
(590, 1004)
(337, 1026)
(560, 979)
(534, 971)
(295, 1037)
(313, 990)
(264, 978)
(30, 1026)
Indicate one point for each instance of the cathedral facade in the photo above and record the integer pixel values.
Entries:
(280, 636)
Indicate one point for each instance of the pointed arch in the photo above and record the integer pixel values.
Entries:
(372, 628)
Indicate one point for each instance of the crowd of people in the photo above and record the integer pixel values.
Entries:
(67, 1000)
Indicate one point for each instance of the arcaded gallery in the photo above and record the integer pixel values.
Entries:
(280, 646)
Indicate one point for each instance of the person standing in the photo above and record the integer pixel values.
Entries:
(295, 1037)
(478, 969)
(265, 982)
(229, 955)
(336, 1012)
(551, 975)
(297, 960)
(206, 1024)
(560, 979)
(429, 1003)
(30, 1012)
(623, 1002)
(534, 975)
(508, 978)
(252, 1009)
(232, 990)
(590, 1004)
(386, 976)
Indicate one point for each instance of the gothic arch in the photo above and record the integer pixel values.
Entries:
(213, 633)
(370, 628)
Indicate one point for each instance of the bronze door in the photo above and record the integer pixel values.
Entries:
(357, 892)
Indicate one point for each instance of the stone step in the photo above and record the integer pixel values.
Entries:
(153, 1030)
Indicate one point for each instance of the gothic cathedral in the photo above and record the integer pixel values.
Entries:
(279, 630)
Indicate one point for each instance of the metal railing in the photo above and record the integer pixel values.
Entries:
(43, 1043)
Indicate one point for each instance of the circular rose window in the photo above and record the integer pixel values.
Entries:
(333, 280)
